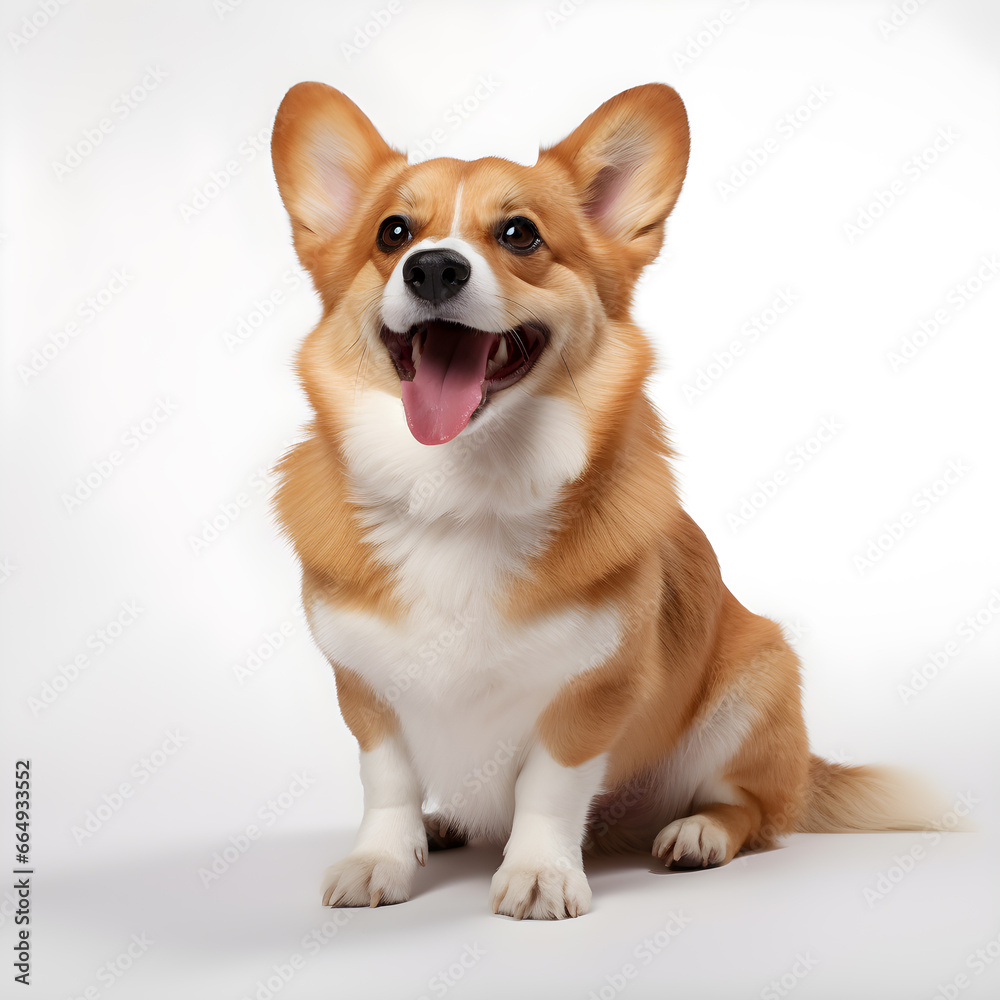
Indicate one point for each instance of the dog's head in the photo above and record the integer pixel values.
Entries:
(460, 286)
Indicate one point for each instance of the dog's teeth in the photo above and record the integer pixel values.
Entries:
(417, 348)
(501, 355)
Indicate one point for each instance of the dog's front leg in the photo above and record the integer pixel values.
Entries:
(542, 872)
(391, 841)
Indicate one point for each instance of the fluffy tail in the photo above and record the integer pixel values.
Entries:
(845, 799)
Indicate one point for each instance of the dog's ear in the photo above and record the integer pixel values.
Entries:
(325, 151)
(628, 160)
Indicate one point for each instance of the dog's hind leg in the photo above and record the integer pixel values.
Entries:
(710, 837)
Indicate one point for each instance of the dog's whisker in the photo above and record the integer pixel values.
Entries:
(520, 343)
(573, 380)
(359, 381)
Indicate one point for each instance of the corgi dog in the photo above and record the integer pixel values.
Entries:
(531, 639)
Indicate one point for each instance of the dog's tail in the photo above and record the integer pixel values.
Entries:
(843, 799)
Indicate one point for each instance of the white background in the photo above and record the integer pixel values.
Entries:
(165, 349)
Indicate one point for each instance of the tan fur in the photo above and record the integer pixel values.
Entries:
(842, 799)
(367, 716)
(314, 507)
(690, 649)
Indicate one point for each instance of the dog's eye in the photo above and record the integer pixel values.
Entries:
(393, 233)
(519, 235)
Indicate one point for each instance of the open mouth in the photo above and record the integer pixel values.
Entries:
(448, 371)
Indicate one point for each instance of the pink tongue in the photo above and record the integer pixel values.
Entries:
(448, 385)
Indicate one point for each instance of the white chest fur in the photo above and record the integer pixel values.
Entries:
(456, 523)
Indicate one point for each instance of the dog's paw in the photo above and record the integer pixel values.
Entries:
(539, 892)
(440, 835)
(370, 878)
(692, 842)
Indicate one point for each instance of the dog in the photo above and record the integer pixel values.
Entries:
(529, 635)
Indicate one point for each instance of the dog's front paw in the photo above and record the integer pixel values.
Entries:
(539, 892)
(370, 878)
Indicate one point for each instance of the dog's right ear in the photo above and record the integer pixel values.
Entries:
(325, 151)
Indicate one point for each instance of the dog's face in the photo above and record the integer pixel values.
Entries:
(459, 286)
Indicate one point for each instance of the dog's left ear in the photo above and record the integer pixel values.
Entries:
(628, 160)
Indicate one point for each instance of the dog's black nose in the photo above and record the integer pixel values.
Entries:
(436, 275)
